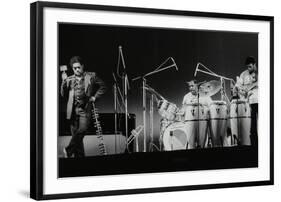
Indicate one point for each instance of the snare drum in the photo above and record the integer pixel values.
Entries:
(218, 122)
(167, 110)
(240, 121)
(175, 137)
(196, 120)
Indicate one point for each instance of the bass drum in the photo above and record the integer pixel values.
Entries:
(175, 137)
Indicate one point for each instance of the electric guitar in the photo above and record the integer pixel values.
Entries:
(95, 117)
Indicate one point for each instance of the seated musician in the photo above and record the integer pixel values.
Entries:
(247, 84)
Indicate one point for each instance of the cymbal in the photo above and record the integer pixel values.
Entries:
(210, 88)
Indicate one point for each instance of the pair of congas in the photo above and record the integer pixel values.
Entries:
(201, 121)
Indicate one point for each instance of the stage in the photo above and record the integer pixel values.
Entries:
(168, 161)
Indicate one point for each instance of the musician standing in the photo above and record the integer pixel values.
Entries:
(80, 89)
(249, 82)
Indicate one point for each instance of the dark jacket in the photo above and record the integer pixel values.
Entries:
(94, 86)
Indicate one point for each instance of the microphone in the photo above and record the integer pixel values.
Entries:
(175, 64)
(195, 73)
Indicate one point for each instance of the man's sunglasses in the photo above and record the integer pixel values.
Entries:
(75, 68)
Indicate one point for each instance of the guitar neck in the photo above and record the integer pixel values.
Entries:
(95, 116)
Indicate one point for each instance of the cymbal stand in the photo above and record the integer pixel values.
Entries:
(126, 87)
(144, 84)
(116, 92)
(222, 80)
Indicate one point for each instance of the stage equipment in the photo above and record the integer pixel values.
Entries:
(207, 71)
(124, 95)
(240, 121)
(218, 124)
(160, 68)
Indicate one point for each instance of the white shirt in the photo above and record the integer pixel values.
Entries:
(247, 79)
(189, 98)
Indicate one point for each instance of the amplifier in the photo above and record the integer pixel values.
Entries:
(115, 144)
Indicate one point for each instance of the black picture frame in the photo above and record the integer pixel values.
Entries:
(37, 98)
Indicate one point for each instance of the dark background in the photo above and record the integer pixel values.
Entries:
(144, 49)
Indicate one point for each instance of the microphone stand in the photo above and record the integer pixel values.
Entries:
(125, 92)
(222, 81)
(116, 91)
(115, 113)
(143, 77)
(198, 115)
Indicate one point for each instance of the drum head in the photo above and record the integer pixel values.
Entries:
(175, 137)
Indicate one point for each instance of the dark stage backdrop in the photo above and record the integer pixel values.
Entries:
(144, 49)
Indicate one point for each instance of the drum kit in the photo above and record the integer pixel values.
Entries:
(197, 125)
(220, 123)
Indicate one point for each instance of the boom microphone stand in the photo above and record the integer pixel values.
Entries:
(144, 84)
(222, 80)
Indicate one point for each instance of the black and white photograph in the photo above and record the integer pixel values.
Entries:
(134, 99)
(128, 100)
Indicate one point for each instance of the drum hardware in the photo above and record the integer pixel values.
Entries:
(211, 73)
(217, 110)
(209, 144)
(236, 140)
(151, 144)
(171, 136)
(209, 88)
(126, 87)
(134, 135)
(159, 69)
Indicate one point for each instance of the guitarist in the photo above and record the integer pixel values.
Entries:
(247, 84)
(80, 89)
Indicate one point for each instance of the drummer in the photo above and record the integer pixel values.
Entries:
(192, 96)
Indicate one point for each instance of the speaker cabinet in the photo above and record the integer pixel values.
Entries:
(115, 144)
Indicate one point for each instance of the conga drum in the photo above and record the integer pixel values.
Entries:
(218, 123)
(196, 120)
(240, 121)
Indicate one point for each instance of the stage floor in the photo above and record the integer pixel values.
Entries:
(151, 162)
